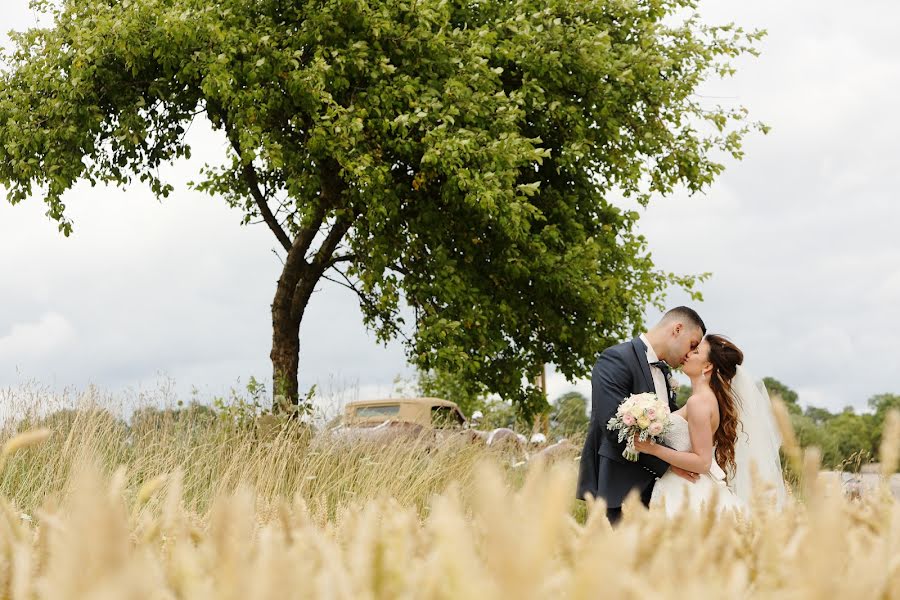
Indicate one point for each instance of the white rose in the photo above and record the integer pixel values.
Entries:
(674, 383)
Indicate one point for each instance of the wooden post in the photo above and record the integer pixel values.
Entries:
(542, 421)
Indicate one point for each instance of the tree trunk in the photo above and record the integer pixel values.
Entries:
(285, 357)
(296, 285)
(291, 298)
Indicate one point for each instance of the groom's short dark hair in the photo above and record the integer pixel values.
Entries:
(689, 315)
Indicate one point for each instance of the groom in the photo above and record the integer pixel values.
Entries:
(635, 367)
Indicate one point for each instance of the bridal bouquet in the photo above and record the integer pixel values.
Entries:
(642, 414)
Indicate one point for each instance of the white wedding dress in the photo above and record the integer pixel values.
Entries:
(679, 494)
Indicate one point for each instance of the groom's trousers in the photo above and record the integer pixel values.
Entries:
(615, 514)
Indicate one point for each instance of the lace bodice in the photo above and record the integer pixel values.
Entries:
(679, 435)
(679, 438)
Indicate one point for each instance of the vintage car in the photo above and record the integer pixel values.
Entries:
(391, 417)
(433, 419)
(432, 413)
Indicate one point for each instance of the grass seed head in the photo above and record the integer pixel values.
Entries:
(26, 439)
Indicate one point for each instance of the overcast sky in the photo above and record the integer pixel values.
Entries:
(801, 237)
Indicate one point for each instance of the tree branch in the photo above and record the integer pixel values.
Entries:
(330, 197)
(326, 250)
(252, 180)
(332, 188)
(363, 300)
(340, 259)
(400, 269)
(350, 287)
(320, 263)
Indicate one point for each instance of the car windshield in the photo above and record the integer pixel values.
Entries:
(444, 417)
(384, 410)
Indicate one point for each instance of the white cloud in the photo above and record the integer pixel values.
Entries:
(557, 385)
(44, 338)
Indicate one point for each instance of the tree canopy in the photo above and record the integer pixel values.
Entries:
(787, 395)
(457, 158)
(570, 414)
(847, 439)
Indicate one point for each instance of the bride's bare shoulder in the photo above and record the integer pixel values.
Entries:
(703, 400)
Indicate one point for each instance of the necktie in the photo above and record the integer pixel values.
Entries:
(662, 366)
(667, 372)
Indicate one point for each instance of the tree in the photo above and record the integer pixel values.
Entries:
(808, 433)
(880, 405)
(441, 384)
(454, 157)
(569, 414)
(787, 395)
(849, 440)
(819, 416)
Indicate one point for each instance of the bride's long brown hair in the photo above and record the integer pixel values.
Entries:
(725, 358)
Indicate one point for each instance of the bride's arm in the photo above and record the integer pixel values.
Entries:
(699, 459)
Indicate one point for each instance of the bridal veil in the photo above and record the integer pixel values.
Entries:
(756, 449)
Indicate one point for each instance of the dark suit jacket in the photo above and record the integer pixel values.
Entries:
(620, 371)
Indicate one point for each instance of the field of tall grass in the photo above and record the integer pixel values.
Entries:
(195, 504)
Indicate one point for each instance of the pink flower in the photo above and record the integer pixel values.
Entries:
(628, 419)
(651, 413)
(656, 428)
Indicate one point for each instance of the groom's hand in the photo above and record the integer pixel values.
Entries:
(692, 477)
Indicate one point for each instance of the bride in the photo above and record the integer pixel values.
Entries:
(725, 433)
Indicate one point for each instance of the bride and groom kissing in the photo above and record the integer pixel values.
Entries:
(720, 444)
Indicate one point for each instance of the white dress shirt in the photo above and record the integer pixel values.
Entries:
(659, 378)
